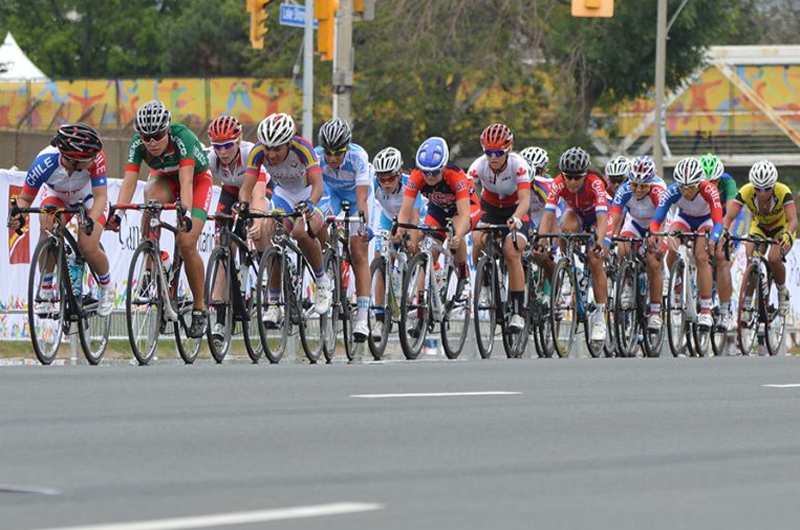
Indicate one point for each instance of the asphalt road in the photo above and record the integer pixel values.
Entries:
(575, 443)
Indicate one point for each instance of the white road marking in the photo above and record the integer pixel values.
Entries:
(6, 488)
(227, 519)
(434, 394)
(794, 385)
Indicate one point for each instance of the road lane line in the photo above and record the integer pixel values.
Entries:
(7, 488)
(793, 385)
(235, 518)
(434, 394)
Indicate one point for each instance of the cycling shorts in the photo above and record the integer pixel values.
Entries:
(201, 191)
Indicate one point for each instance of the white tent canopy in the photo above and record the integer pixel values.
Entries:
(15, 65)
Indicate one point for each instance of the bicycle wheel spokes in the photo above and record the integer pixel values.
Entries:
(455, 321)
(625, 318)
(183, 302)
(775, 322)
(252, 340)
(414, 315)
(485, 307)
(563, 316)
(312, 324)
(748, 311)
(143, 303)
(219, 296)
(380, 311)
(93, 330)
(273, 319)
(46, 301)
(676, 309)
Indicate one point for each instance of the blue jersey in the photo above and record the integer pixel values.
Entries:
(354, 171)
(48, 170)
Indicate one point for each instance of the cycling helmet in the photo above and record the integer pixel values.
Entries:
(536, 157)
(335, 134)
(152, 118)
(688, 172)
(276, 130)
(618, 167)
(224, 129)
(388, 160)
(433, 154)
(497, 137)
(643, 170)
(763, 174)
(574, 160)
(712, 166)
(78, 140)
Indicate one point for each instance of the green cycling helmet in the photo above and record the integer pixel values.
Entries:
(712, 166)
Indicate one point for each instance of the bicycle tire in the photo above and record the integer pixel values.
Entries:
(485, 307)
(312, 325)
(563, 280)
(93, 329)
(219, 261)
(652, 342)
(377, 271)
(143, 290)
(188, 347)
(458, 308)
(252, 340)
(773, 334)
(414, 302)
(514, 344)
(333, 272)
(626, 319)
(676, 295)
(612, 273)
(273, 340)
(595, 349)
(46, 331)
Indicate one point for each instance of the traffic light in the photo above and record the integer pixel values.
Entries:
(325, 13)
(592, 8)
(364, 9)
(258, 22)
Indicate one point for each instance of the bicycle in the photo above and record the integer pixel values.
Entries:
(431, 297)
(572, 306)
(386, 273)
(60, 301)
(537, 304)
(284, 267)
(762, 307)
(230, 286)
(632, 303)
(683, 299)
(158, 295)
(491, 301)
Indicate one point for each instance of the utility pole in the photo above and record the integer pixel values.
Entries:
(343, 62)
(308, 72)
(661, 62)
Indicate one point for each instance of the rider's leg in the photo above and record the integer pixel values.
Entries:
(704, 276)
(724, 281)
(776, 265)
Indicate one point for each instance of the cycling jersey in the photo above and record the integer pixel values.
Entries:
(775, 218)
(453, 187)
(588, 201)
(183, 149)
(232, 175)
(354, 171)
(500, 189)
(694, 213)
(47, 170)
(727, 189)
(641, 210)
(293, 171)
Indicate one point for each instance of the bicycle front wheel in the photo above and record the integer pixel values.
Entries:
(676, 309)
(93, 329)
(563, 315)
(252, 341)
(485, 307)
(144, 304)
(273, 317)
(380, 313)
(219, 297)
(182, 301)
(46, 300)
(625, 318)
(312, 324)
(775, 322)
(415, 307)
(455, 321)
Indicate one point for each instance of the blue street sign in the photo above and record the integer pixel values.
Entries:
(294, 16)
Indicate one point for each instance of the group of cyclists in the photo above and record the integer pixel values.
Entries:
(283, 172)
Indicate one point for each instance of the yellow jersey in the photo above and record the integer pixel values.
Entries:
(775, 217)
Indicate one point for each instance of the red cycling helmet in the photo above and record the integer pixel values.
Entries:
(497, 137)
(224, 129)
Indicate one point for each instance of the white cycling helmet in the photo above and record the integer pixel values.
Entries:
(388, 160)
(152, 118)
(536, 156)
(276, 130)
(618, 167)
(763, 174)
(689, 172)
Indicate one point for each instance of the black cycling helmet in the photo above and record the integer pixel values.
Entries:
(574, 160)
(78, 140)
(335, 134)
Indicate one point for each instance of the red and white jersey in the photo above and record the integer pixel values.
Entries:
(589, 199)
(501, 189)
(641, 210)
(232, 175)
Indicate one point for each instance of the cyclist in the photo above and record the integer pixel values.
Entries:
(699, 209)
(584, 194)
(774, 216)
(639, 196)
(541, 182)
(228, 162)
(294, 167)
(71, 169)
(451, 197)
(390, 186)
(178, 169)
(347, 174)
(505, 198)
(616, 173)
(715, 173)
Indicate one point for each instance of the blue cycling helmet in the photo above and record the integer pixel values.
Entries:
(433, 155)
(643, 170)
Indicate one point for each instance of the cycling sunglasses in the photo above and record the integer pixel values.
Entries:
(689, 188)
(762, 190)
(336, 152)
(431, 173)
(574, 176)
(226, 145)
(154, 137)
(386, 177)
(495, 153)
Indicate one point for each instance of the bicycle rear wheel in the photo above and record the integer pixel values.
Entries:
(381, 313)
(312, 324)
(46, 300)
(252, 341)
(514, 344)
(272, 291)
(626, 320)
(93, 329)
(563, 315)
(775, 323)
(455, 321)
(219, 300)
(144, 303)
(333, 323)
(485, 306)
(415, 307)
(676, 310)
(182, 301)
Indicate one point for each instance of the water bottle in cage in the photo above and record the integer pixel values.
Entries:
(75, 265)
(642, 283)
(166, 262)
